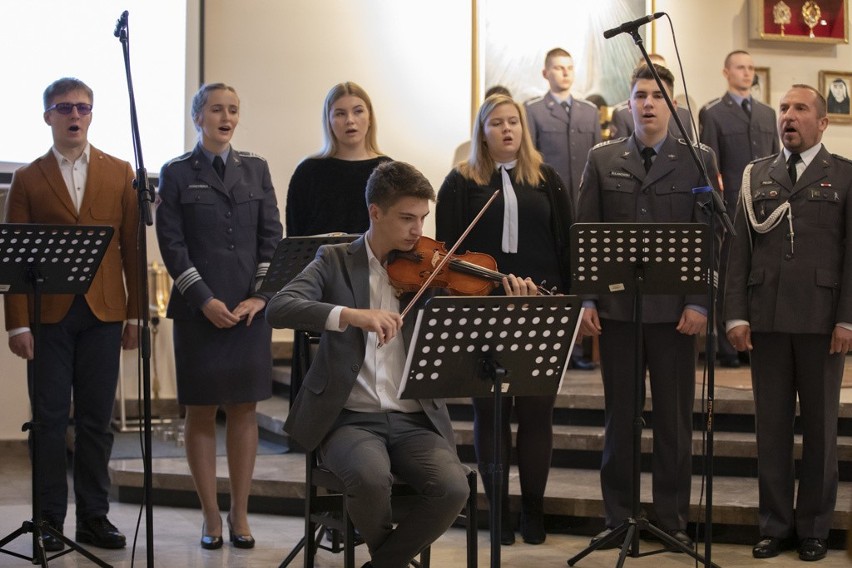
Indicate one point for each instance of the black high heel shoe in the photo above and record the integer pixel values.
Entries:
(239, 541)
(209, 542)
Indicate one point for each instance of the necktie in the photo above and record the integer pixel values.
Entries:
(746, 104)
(567, 108)
(219, 166)
(510, 209)
(648, 154)
(791, 167)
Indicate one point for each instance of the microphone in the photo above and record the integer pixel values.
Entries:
(706, 194)
(632, 26)
(120, 24)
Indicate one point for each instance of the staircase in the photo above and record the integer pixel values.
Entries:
(573, 498)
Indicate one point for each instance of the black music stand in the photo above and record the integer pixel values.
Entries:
(639, 259)
(47, 259)
(470, 346)
(291, 256)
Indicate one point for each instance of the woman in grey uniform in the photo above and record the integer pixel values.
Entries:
(218, 226)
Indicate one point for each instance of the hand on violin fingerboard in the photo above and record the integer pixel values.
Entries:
(384, 323)
(515, 286)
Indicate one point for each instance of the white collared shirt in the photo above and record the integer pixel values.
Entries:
(377, 385)
(75, 174)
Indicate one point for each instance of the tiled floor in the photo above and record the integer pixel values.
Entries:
(176, 533)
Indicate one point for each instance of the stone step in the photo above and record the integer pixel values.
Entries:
(571, 494)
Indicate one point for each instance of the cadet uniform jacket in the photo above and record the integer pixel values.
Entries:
(216, 235)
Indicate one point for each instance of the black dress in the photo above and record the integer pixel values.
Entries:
(326, 195)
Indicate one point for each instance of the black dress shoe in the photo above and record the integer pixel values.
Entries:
(100, 532)
(209, 542)
(600, 536)
(238, 540)
(811, 549)
(732, 362)
(50, 542)
(770, 547)
(681, 537)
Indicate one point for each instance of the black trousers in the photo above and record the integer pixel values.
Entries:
(78, 357)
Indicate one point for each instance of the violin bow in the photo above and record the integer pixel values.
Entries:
(450, 254)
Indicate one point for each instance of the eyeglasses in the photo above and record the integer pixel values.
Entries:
(66, 108)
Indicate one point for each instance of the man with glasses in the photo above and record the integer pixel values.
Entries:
(77, 184)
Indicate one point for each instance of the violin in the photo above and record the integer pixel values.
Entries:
(468, 274)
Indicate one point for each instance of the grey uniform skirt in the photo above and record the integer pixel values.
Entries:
(223, 366)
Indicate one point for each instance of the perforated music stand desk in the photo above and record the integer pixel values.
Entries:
(490, 346)
(47, 259)
(637, 259)
(293, 254)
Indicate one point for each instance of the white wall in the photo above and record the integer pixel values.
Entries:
(414, 60)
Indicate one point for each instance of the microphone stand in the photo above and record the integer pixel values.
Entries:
(714, 209)
(146, 198)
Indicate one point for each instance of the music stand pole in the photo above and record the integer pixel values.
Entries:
(490, 346)
(30, 272)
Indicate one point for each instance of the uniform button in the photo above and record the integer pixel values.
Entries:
(198, 198)
(354, 368)
(230, 230)
(788, 256)
(231, 247)
(228, 215)
(251, 194)
(643, 211)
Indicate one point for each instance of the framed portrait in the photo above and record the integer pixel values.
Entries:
(835, 87)
(760, 87)
(811, 21)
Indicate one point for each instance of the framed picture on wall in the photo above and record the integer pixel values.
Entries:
(813, 21)
(835, 86)
(760, 87)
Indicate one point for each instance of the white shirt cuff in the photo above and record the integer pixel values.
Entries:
(729, 325)
(332, 322)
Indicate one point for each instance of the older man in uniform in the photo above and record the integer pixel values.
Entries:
(788, 301)
(647, 177)
(739, 129)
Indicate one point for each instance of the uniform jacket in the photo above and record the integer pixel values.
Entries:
(622, 125)
(39, 195)
(564, 148)
(806, 289)
(338, 276)
(737, 140)
(616, 189)
(216, 238)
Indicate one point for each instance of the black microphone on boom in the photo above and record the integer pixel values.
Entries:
(120, 24)
(632, 26)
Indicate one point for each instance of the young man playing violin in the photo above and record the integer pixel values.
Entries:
(348, 405)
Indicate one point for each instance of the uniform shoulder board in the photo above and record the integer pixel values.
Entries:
(619, 107)
(712, 103)
(528, 102)
(841, 158)
(704, 147)
(608, 142)
(245, 154)
(180, 158)
(763, 159)
(585, 102)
